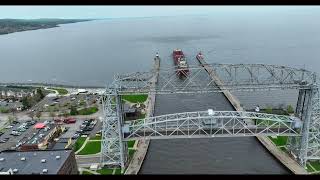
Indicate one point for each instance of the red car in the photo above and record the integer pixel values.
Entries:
(69, 120)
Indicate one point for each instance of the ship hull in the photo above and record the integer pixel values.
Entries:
(177, 56)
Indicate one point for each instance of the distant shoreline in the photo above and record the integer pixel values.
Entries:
(9, 26)
(49, 85)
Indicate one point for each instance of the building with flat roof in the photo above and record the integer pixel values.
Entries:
(38, 162)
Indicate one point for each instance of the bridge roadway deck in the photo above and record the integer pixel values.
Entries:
(284, 158)
(206, 133)
(143, 144)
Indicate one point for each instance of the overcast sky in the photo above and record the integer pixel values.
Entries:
(135, 11)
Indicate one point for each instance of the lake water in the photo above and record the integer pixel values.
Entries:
(90, 53)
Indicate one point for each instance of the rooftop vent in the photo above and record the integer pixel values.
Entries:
(44, 170)
(34, 154)
(15, 170)
(1, 159)
(23, 159)
(43, 160)
(57, 157)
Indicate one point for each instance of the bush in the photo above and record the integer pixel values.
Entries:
(73, 111)
(269, 110)
(290, 109)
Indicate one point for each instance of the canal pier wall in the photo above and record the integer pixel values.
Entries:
(143, 144)
(284, 158)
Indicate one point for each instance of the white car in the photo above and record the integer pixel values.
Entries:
(9, 127)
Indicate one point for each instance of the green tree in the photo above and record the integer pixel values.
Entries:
(290, 109)
(73, 110)
(26, 102)
(40, 92)
(269, 110)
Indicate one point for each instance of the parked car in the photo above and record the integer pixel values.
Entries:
(15, 133)
(16, 122)
(21, 130)
(79, 131)
(1, 133)
(47, 128)
(85, 134)
(9, 127)
(69, 120)
(75, 136)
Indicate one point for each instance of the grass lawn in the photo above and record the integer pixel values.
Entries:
(87, 173)
(61, 91)
(79, 143)
(4, 110)
(105, 171)
(131, 152)
(88, 111)
(135, 98)
(96, 138)
(309, 168)
(316, 165)
(131, 143)
(118, 171)
(93, 147)
(280, 140)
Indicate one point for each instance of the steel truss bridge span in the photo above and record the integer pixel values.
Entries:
(304, 143)
(211, 124)
(235, 77)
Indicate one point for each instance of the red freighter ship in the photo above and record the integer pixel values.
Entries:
(180, 62)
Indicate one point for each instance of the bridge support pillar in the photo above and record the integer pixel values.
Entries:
(113, 150)
(307, 147)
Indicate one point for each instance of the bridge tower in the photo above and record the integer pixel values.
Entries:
(114, 151)
(307, 146)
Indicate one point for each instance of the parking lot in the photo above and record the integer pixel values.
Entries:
(14, 140)
(72, 129)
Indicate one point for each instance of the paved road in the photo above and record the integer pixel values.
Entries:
(87, 160)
